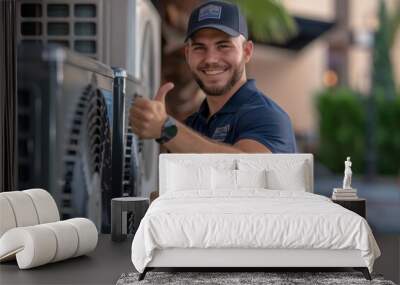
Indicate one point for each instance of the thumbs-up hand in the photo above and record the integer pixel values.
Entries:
(147, 117)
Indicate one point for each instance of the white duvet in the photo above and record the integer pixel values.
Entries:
(253, 218)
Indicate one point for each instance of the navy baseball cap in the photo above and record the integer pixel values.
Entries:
(219, 15)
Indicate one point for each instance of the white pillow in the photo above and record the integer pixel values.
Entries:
(251, 178)
(183, 177)
(280, 180)
(282, 174)
(223, 179)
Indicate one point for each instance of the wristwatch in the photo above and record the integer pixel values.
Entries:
(168, 131)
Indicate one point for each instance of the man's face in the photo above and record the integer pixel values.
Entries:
(217, 60)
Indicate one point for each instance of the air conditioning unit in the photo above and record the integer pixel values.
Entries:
(73, 134)
(123, 33)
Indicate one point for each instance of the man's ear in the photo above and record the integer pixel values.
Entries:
(248, 48)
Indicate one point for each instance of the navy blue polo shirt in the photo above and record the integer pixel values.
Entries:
(248, 114)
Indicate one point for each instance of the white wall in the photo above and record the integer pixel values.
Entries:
(291, 80)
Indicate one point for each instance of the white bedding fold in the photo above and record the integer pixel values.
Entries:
(250, 219)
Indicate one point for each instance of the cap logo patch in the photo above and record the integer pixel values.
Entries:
(210, 12)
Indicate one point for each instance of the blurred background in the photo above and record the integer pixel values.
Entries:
(333, 65)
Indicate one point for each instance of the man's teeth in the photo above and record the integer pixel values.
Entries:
(213, 72)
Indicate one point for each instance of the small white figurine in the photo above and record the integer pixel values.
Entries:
(347, 174)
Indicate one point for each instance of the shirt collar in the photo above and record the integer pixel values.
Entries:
(240, 97)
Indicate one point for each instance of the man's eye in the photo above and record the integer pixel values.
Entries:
(198, 48)
(224, 46)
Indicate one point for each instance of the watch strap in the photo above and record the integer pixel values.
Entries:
(168, 131)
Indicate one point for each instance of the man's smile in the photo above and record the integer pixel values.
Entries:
(214, 71)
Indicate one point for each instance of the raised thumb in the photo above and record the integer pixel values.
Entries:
(162, 92)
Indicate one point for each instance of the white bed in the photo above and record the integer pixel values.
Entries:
(247, 210)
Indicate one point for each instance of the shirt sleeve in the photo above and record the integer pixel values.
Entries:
(272, 129)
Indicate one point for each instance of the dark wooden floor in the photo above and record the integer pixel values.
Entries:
(110, 260)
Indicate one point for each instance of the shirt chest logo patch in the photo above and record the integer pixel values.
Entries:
(220, 133)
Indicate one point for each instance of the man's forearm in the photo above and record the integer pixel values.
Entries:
(189, 141)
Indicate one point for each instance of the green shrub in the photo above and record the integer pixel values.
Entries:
(388, 135)
(341, 129)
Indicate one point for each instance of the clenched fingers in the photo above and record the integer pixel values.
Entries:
(141, 114)
(146, 118)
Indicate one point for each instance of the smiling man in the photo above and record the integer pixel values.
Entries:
(235, 116)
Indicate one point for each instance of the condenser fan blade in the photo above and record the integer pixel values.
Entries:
(91, 157)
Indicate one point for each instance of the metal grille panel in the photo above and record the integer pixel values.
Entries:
(75, 24)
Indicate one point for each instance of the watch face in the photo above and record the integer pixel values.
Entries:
(170, 131)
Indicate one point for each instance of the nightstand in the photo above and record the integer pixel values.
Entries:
(358, 205)
(126, 214)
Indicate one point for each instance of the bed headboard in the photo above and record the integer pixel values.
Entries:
(237, 161)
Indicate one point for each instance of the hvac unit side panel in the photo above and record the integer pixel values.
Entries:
(33, 106)
(65, 133)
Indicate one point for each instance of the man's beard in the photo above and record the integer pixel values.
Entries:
(219, 91)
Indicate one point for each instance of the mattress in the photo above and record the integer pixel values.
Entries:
(251, 219)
